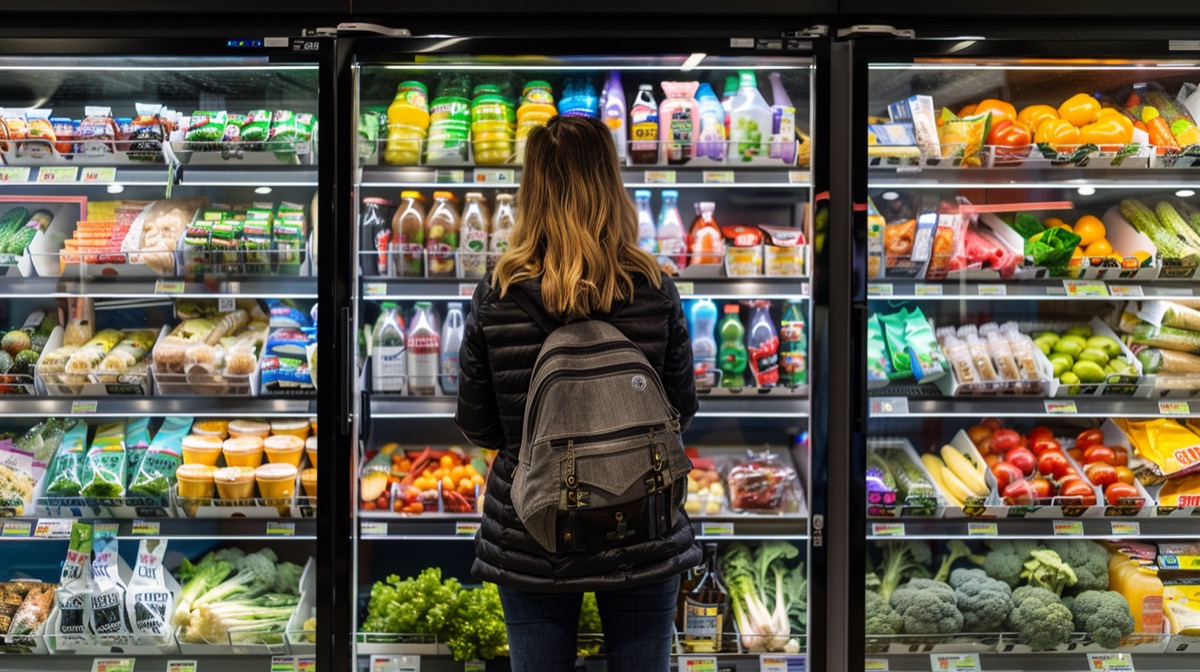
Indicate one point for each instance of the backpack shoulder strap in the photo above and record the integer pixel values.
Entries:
(539, 317)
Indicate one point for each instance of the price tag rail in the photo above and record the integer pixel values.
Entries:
(375, 526)
(1034, 526)
(43, 529)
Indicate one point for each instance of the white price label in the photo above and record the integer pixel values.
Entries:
(889, 406)
(1061, 408)
(954, 662)
(283, 664)
(14, 175)
(181, 666)
(718, 177)
(697, 665)
(1110, 662)
(16, 528)
(685, 288)
(466, 529)
(887, 529)
(278, 528)
(1174, 408)
(1126, 290)
(1085, 288)
(226, 304)
(928, 290)
(97, 175)
(774, 662)
(145, 528)
(1068, 528)
(799, 177)
(83, 407)
(495, 176)
(395, 664)
(879, 289)
(466, 289)
(660, 177)
(375, 289)
(982, 530)
(373, 528)
(53, 528)
(306, 664)
(450, 176)
(113, 664)
(716, 529)
(57, 174)
(1126, 528)
(993, 290)
(165, 286)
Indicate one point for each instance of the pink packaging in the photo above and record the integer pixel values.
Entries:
(678, 122)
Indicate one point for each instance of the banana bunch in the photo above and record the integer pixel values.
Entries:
(957, 475)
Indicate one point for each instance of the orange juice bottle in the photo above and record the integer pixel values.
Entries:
(1142, 588)
(707, 242)
(408, 123)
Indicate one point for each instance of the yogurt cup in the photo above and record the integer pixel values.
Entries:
(310, 449)
(199, 449)
(217, 428)
(239, 428)
(284, 448)
(244, 451)
(276, 480)
(297, 428)
(235, 482)
(313, 423)
(195, 481)
(308, 481)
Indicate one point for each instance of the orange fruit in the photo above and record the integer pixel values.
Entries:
(1078, 253)
(1089, 228)
(1099, 248)
(1055, 223)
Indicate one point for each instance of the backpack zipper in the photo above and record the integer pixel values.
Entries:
(600, 371)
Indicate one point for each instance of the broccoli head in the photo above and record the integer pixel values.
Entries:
(903, 560)
(1087, 559)
(984, 602)
(927, 607)
(1005, 559)
(1045, 569)
(881, 618)
(1039, 618)
(1104, 615)
(955, 550)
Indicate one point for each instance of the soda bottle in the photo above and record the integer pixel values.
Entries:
(473, 239)
(732, 355)
(389, 365)
(613, 112)
(793, 360)
(452, 333)
(424, 349)
(672, 248)
(408, 235)
(375, 237)
(441, 235)
(643, 127)
(579, 99)
(727, 95)
(647, 234)
(708, 245)
(702, 320)
(502, 224)
(710, 142)
(764, 346)
(783, 122)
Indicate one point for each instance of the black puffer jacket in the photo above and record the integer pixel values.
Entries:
(500, 345)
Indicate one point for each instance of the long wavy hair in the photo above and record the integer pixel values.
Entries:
(576, 227)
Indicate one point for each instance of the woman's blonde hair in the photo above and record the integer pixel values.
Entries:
(576, 227)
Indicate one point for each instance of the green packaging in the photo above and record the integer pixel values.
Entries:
(924, 354)
(894, 327)
(879, 365)
(104, 470)
(137, 434)
(156, 473)
(65, 478)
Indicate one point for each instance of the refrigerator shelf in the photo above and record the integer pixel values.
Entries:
(1041, 661)
(666, 177)
(383, 526)
(1101, 528)
(1053, 289)
(382, 288)
(158, 175)
(1047, 177)
(749, 403)
(224, 529)
(1027, 407)
(110, 407)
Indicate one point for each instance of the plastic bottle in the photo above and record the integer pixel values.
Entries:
(424, 348)
(452, 333)
(473, 238)
(1142, 588)
(441, 235)
(672, 248)
(763, 346)
(449, 121)
(408, 235)
(678, 122)
(707, 243)
(749, 121)
(408, 124)
(783, 122)
(793, 332)
(710, 140)
(537, 106)
(702, 321)
(614, 113)
(389, 362)
(647, 233)
(503, 222)
(375, 235)
(579, 99)
(732, 354)
(729, 91)
(643, 127)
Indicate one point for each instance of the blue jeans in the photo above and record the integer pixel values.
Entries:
(637, 622)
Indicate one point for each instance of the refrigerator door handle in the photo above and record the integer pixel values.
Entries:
(858, 352)
(347, 379)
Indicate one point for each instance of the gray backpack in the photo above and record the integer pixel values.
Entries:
(602, 463)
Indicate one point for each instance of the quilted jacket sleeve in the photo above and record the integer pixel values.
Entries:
(678, 370)
(478, 413)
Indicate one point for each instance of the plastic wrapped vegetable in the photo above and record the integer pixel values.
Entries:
(156, 471)
(65, 477)
(762, 482)
(104, 470)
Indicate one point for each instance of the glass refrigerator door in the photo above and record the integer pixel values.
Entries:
(441, 141)
(1031, 245)
(158, 303)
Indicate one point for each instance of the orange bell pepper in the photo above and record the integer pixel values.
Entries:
(1033, 115)
(1055, 132)
(1080, 109)
(998, 108)
(1109, 129)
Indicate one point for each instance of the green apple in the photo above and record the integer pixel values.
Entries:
(1047, 335)
(1109, 345)
(1079, 330)
(1094, 355)
(1069, 346)
(1088, 372)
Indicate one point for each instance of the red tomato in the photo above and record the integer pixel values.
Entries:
(1006, 473)
(1118, 491)
(992, 423)
(1041, 487)
(1053, 464)
(1076, 454)
(1041, 445)
(1009, 133)
(1039, 433)
(1098, 453)
(1121, 456)
(1020, 492)
(1101, 473)
(999, 109)
(1005, 440)
(1088, 438)
(1022, 459)
(1077, 487)
(1124, 475)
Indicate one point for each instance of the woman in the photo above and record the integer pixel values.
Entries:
(573, 253)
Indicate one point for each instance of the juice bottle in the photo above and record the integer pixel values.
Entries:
(502, 224)
(710, 140)
(647, 234)
(793, 361)
(492, 132)
(449, 121)
(702, 320)
(643, 127)
(708, 245)
(389, 362)
(728, 92)
(749, 121)
(672, 248)
(408, 123)
(1142, 588)
(375, 235)
(452, 332)
(441, 235)
(613, 112)
(763, 346)
(408, 235)
(473, 239)
(783, 122)
(678, 122)
(732, 355)
(424, 349)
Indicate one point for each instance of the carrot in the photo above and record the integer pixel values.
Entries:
(1160, 133)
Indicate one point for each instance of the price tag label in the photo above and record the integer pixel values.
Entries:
(875, 665)
(165, 286)
(466, 289)
(395, 664)
(375, 289)
(466, 529)
(16, 528)
(1126, 290)
(57, 174)
(226, 304)
(1110, 662)
(279, 528)
(14, 175)
(982, 530)
(283, 664)
(697, 665)
(1068, 528)
(1061, 408)
(1126, 528)
(83, 407)
(928, 290)
(993, 290)
(774, 662)
(879, 289)
(449, 176)
(146, 528)
(181, 666)
(113, 664)
(718, 177)
(889, 406)
(685, 288)
(495, 176)
(1174, 408)
(306, 663)
(373, 528)
(53, 528)
(1085, 288)
(799, 176)
(97, 175)
(887, 529)
(716, 529)
(954, 662)
(474, 666)
(660, 177)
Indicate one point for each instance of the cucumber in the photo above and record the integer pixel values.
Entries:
(909, 477)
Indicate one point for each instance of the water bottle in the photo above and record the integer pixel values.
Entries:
(647, 234)
(702, 321)
(452, 333)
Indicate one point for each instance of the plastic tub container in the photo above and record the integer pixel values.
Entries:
(235, 482)
(313, 423)
(199, 449)
(244, 451)
(239, 428)
(310, 449)
(217, 428)
(276, 480)
(284, 448)
(308, 481)
(296, 428)
(195, 481)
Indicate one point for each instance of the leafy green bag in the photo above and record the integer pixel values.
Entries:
(156, 473)
(137, 440)
(894, 327)
(65, 478)
(104, 470)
